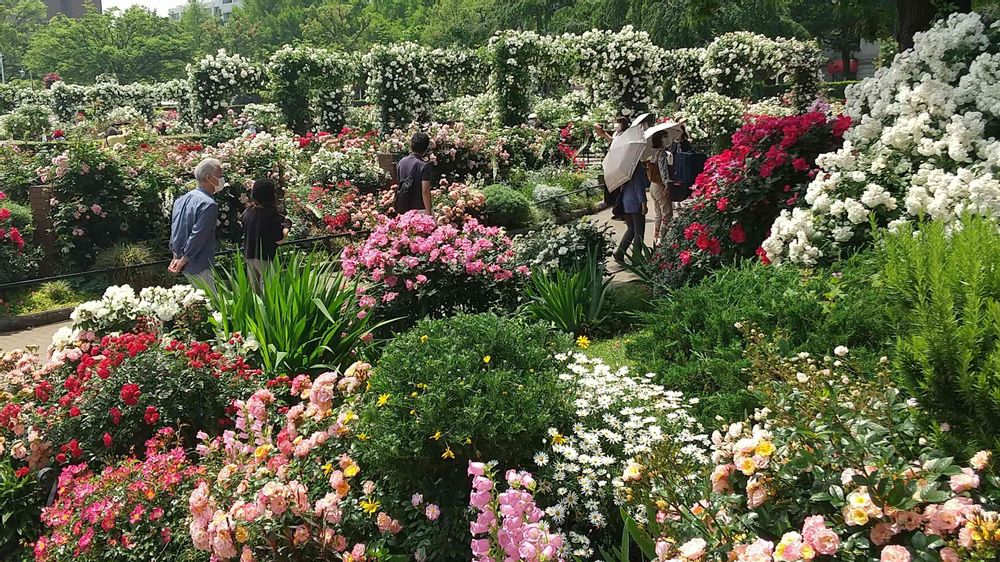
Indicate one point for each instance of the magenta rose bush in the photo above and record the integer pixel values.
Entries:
(742, 190)
(830, 468)
(415, 265)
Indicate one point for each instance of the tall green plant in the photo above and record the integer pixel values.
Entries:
(946, 286)
(572, 301)
(305, 315)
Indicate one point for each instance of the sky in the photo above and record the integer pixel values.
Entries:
(161, 6)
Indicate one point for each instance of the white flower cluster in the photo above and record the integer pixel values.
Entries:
(456, 72)
(561, 247)
(618, 417)
(683, 69)
(351, 164)
(712, 117)
(99, 99)
(217, 79)
(922, 144)
(518, 60)
(735, 61)
(399, 81)
(120, 307)
(620, 66)
(474, 110)
(314, 83)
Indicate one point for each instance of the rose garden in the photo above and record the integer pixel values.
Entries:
(807, 366)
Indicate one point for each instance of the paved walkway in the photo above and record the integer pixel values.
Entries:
(39, 337)
(622, 275)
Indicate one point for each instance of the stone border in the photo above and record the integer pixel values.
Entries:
(9, 324)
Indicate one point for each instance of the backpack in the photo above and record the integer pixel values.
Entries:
(403, 190)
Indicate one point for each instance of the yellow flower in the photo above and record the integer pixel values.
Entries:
(383, 399)
(261, 452)
(807, 552)
(349, 416)
(363, 436)
(352, 470)
(468, 441)
(413, 412)
(765, 448)
(327, 468)
(413, 394)
(558, 439)
(436, 436)
(486, 359)
(423, 339)
(368, 386)
(447, 454)
(369, 506)
(241, 534)
(855, 516)
(746, 466)
(583, 342)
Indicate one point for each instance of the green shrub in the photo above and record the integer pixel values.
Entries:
(49, 296)
(946, 294)
(305, 316)
(23, 264)
(472, 387)
(27, 122)
(128, 255)
(507, 207)
(693, 345)
(20, 507)
(20, 217)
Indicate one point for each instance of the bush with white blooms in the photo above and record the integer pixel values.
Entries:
(399, 83)
(217, 79)
(121, 307)
(921, 146)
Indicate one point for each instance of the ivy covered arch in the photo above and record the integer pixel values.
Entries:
(312, 87)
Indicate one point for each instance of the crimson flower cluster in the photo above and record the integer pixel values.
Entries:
(9, 234)
(741, 191)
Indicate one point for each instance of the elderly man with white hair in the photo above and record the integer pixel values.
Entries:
(192, 226)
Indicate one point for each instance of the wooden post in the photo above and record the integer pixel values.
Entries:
(40, 197)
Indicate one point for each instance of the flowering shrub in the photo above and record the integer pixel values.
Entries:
(29, 122)
(358, 166)
(398, 80)
(284, 482)
(120, 309)
(131, 510)
(311, 87)
(477, 110)
(457, 152)
(456, 71)
(110, 395)
(413, 263)
(562, 247)
(683, 66)
(217, 79)
(422, 425)
(514, 57)
(742, 190)
(712, 118)
(618, 417)
(96, 202)
(620, 67)
(509, 525)
(875, 490)
(21, 261)
(919, 146)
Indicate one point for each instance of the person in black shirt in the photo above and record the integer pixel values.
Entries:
(263, 229)
(413, 192)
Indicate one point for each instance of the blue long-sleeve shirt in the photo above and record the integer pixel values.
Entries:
(634, 190)
(192, 229)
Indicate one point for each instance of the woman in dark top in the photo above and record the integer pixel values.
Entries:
(263, 229)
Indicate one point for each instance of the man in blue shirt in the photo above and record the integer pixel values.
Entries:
(192, 226)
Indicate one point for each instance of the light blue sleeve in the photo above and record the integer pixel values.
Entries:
(203, 231)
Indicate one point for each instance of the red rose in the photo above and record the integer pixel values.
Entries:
(800, 164)
(130, 394)
(762, 254)
(151, 416)
(722, 204)
(116, 415)
(107, 440)
(737, 234)
(685, 257)
(61, 458)
(21, 472)
(74, 412)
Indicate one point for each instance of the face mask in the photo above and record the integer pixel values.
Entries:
(222, 184)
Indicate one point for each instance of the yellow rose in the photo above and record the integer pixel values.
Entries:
(746, 466)
(241, 534)
(765, 448)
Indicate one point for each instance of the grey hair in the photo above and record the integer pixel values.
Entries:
(207, 168)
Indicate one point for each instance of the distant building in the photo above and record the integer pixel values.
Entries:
(218, 8)
(72, 8)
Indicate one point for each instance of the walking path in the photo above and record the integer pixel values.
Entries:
(39, 337)
(621, 275)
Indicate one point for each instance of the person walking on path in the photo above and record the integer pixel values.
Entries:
(193, 222)
(659, 182)
(413, 192)
(263, 229)
(633, 198)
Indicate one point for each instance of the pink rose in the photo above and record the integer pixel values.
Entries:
(948, 554)
(895, 553)
(882, 533)
(965, 481)
(694, 549)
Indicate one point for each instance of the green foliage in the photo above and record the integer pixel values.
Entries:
(17, 172)
(49, 296)
(836, 90)
(128, 255)
(507, 207)
(693, 344)
(305, 316)
(133, 45)
(572, 301)
(28, 122)
(20, 507)
(946, 289)
(471, 387)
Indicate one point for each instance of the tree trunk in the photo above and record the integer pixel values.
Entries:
(912, 16)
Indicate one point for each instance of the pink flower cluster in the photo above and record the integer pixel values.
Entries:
(405, 253)
(509, 525)
(815, 539)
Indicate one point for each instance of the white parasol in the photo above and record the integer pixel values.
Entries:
(623, 157)
(671, 132)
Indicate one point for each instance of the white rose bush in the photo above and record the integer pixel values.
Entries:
(217, 79)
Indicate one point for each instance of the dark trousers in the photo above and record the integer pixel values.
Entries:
(635, 234)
